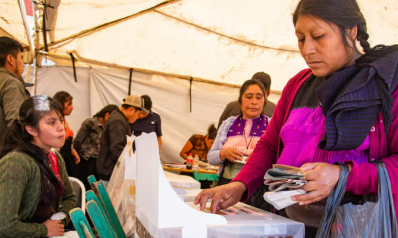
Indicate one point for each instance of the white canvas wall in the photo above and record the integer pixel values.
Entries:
(98, 87)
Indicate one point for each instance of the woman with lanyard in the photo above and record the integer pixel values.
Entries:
(238, 135)
(69, 154)
(343, 109)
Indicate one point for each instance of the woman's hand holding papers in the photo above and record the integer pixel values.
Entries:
(322, 178)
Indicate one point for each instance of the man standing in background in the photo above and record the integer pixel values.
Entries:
(148, 122)
(113, 139)
(12, 85)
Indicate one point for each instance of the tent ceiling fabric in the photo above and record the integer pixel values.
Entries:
(179, 48)
(224, 41)
(11, 22)
(265, 25)
(74, 16)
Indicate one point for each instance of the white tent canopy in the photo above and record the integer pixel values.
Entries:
(218, 40)
(13, 22)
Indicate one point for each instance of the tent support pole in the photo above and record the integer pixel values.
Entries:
(74, 66)
(190, 94)
(36, 41)
(130, 78)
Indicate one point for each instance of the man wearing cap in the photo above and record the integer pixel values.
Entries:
(113, 138)
(233, 108)
(148, 122)
(12, 85)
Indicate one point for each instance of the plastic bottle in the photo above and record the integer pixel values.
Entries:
(189, 164)
(196, 158)
(189, 161)
(190, 157)
(195, 164)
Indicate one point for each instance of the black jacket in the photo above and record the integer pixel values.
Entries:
(113, 141)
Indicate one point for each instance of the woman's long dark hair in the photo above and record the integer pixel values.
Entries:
(346, 14)
(62, 97)
(18, 139)
(212, 132)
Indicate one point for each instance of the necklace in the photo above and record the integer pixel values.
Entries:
(244, 134)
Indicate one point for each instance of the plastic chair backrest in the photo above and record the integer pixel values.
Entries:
(103, 228)
(104, 197)
(105, 204)
(92, 197)
(81, 224)
(91, 180)
(80, 192)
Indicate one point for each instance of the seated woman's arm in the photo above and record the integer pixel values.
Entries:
(187, 148)
(15, 174)
(68, 199)
(213, 157)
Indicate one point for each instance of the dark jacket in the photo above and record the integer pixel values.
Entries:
(233, 109)
(12, 95)
(113, 141)
(88, 139)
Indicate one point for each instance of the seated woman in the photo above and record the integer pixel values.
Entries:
(199, 144)
(33, 181)
(238, 135)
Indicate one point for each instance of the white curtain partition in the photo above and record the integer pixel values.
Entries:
(95, 88)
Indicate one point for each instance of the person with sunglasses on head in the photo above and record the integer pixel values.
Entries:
(34, 183)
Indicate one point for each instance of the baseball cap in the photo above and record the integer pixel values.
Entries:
(264, 78)
(135, 101)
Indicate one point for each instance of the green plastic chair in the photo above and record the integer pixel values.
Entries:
(90, 196)
(103, 227)
(104, 203)
(81, 224)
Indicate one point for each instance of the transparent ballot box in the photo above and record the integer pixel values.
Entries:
(243, 221)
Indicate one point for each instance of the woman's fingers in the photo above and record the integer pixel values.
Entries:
(204, 196)
(309, 166)
(237, 152)
(226, 203)
(237, 157)
(215, 201)
(322, 179)
(198, 197)
(309, 198)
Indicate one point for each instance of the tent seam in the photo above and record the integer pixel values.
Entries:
(220, 34)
